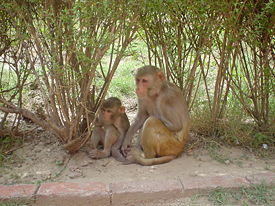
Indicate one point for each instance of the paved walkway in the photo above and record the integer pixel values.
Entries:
(125, 193)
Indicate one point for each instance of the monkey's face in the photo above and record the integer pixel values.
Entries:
(106, 114)
(109, 115)
(142, 85)
(149, 85)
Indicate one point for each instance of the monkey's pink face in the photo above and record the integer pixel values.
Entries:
(106, 114)
(142, 85)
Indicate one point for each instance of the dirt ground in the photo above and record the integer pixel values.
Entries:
(41, 158)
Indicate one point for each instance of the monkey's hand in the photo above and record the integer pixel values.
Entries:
(125, 148)
(132, 156)
(94, 154)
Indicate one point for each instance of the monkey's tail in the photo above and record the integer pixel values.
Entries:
(155, 161)
(152, 161)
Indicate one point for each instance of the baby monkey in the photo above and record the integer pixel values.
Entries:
(110, 128)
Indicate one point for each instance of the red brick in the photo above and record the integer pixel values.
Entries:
(265, 177)
(71, 194)
(17, 191)
(132, 193)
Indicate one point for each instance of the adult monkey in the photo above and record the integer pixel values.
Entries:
(163, 117)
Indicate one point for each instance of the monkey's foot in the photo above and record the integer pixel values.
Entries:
(94, 154)
(132, 156)
(129, 160)
(120, 158)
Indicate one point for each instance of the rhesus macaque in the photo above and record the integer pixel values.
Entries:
(110, 128)
(163, 117)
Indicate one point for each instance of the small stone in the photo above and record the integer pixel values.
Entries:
(189, 153)
(73, 168)
(91, 161)
(25, 175)
(46, 177)
(227, 162)
(37, 149)
(73, 175)
(265, 146)
(222, 174)
(85, 163)
(203, 159)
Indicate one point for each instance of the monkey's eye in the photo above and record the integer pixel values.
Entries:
(144, 80)
(108, 111)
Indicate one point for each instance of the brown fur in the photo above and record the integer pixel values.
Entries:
(110, 128)
(163, 117)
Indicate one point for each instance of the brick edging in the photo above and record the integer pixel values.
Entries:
(97, 193)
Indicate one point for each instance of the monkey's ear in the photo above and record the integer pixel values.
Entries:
(161, 76)
(122, 109)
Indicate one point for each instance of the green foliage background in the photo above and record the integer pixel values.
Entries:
(220, 53)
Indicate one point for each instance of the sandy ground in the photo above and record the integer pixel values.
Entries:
(42, 158)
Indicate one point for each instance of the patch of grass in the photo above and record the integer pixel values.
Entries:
(219, 196)
(196, 200)
(9, 160)
(235, 131)
(8, 79)
(123, 83)
(259, 139)
(16, 202)
(15, 176)
(2, 159)
(214, 151)
(6, 143)
(258, 194)
(37, 182)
